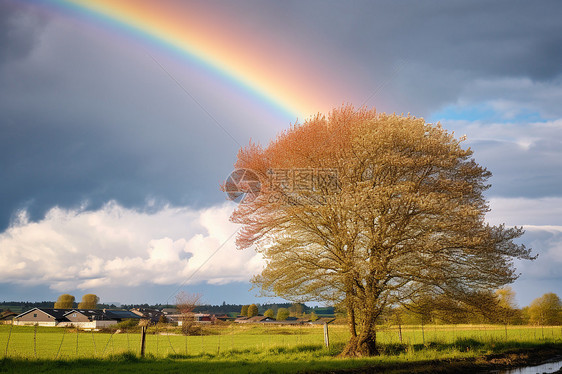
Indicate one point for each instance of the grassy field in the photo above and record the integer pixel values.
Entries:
(251, 348)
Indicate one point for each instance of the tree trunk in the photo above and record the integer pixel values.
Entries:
(351, 320)
(364, 344)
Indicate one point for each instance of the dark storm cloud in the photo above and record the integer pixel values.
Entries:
(493, 38)
(416, 56)
(20, 30)
(420, 54)
(87, 122)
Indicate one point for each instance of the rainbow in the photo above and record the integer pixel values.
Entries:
(180, 28)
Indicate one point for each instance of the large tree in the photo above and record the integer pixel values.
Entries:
(65, 301)
(89, 301)
(370, 210)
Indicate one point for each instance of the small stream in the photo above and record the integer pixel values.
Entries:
(549, 367)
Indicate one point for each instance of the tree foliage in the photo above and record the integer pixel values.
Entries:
(244, 310)
(370, 211)
(269, 313)
(546, 310)
(252, 310)
(89, 301)
(65, 301)
(282, 314)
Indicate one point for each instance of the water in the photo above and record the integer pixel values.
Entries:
(550, 367)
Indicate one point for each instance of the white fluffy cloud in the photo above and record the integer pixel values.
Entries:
(71, 249)
(541, 219)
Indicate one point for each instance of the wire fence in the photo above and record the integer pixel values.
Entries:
(160, 341)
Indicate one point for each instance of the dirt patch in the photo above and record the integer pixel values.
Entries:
(484, 364)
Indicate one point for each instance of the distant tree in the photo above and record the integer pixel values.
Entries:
(525, 315)
(546, 310)
(252, 310)
(244, 310)
(296, 309)
(89, 301)
(186, 303)
(506, 310)
(283, 314)
(65, 301)
(269, 313)
(313, 316)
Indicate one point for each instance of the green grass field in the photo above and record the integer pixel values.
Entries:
(250, 348)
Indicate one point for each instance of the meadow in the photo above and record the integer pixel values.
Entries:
(252, 348)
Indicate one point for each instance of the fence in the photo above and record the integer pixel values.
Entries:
(60, 343)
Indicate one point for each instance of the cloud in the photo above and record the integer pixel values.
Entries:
(87, 116)
(505, 99)
(541, 219)
(77, 249)
(86, 113)
(524, 158)
(540, 213)
(20, 30)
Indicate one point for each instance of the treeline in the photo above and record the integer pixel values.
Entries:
(294, 308)
(225, 308)
(22, 306)
(497, 308)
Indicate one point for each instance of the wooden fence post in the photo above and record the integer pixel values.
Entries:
(326, 336)
(143, 340)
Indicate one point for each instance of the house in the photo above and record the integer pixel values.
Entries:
(120, 315)
(172, 311)
(175, 318)
(88, 319)
(7, 316)
(260, 319)
(255, 319)
(81, 318)
(41, 317)
(152, 315)
(222, 317)
(202, 318)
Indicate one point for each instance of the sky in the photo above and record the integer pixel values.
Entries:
(119, 121)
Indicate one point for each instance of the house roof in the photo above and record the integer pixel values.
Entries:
(260, 319)
(147, 312)
(152, 314)
(57, 314)
(7, 314)
(121, 314)
(92, 314)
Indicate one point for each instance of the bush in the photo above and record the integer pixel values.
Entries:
(127, 323)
